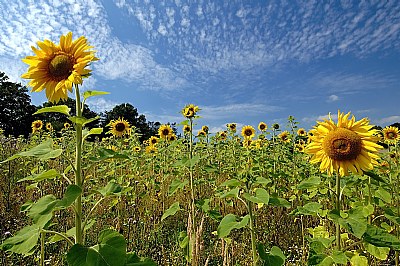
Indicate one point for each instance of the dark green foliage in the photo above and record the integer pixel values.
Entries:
(15, 108)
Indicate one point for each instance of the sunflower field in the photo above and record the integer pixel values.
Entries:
(256, 195)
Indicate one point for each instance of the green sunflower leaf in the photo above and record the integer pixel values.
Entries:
(24, 241)
(229, 222)
(88, 94)
(171, 210)
(43, 151)
(54, 109)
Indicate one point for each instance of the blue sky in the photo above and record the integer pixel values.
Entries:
(240, 61)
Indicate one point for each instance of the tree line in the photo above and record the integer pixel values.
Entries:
(16, 113)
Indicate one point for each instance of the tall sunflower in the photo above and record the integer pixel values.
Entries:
(190, 110)
(119, 127)
(262, 126)
(248, 132)
(284, 136)
(164, 131)
(347, 146)
(391, 135)
(56, 67)
(232, 127)
(37, 125)
(186, 129)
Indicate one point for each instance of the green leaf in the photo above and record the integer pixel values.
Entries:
(261, 196)
(274, 258)
(311, 208)
(375, 176)
(378, 252)
(358, 260)
(54, 109)
(229, 222)
(311, 182)
(391, 215)
(279, 202)
(24, 241)
(70, 195)
(383, 195)
(42, 211)
(93, 131)
(171, 210)
(175, 185)
(82, 120)
(110, 251)
(105, 154)
(233, 193)
(112, 187)
(339, 257)
(49, 174)
(132, 259)
(88, 94)
(43, 151)
(380, 238)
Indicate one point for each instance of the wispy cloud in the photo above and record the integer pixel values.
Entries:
(333, 98)
(99, 104)
(389, 120)
(234, 110)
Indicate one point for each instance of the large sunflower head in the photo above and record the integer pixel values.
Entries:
(119, 127)
(56, 67)
(345, 146)
(391, 135)
(37, 125)
(190, 110)
(248, 132)
(164, 131)
(262, 126)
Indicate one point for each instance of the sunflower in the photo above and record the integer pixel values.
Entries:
(152, 140)
(49, 127)
(151, 149)
(247, 142)
(67, 125)
(186, 129)
(190, 110)
(284, 136)
(391, 135)
(222, 135)
(275, 126)
(232, 127)
(248, 132)
(172, 137)
(348, 146)
(262, 126)
(205, 129)
(57, 67)
(164, 131)
(301, 132)
(137, 149)
(299, 147)
(119, 127)
(201, 133)
(37, 125)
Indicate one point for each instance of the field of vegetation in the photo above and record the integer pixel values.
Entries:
(256, 195)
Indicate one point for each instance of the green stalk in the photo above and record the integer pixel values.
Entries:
(338, 208)
(78, 172)
(192, 207)
(252, 234)
(42, 236)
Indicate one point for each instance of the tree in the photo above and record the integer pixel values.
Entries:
(130, 114)
(57, 120)
(15, 108)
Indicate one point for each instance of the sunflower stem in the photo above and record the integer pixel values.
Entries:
(78, 172)
(338, 209)
(192, 194)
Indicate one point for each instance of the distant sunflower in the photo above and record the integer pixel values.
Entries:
(222, 135)
(119, 127)
(172, 137)
(190, 110)
(137, 148)
(391, 135)
(205, 129)
(284, 136)
(37, 125)
(164, 131)
(201, 133)
(299, 147)
(248, 132)
(232, 127)
(57, 67)
(67, 125)
(262, 126)
(275, 126)
(49, 127)
(247, 142)
(347, 146)
(186, 129)
(301, 132)
(152, 140)
(151, 149)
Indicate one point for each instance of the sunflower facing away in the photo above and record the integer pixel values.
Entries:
(56, 67)
(248, 132)
(119, 127)
(37, 125)
(391, 135)
(347, 146)
(164, 131)
(232, 127)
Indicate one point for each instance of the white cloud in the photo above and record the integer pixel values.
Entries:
(99, 104)
(333, 98)
(234, 110)
(388, 120)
